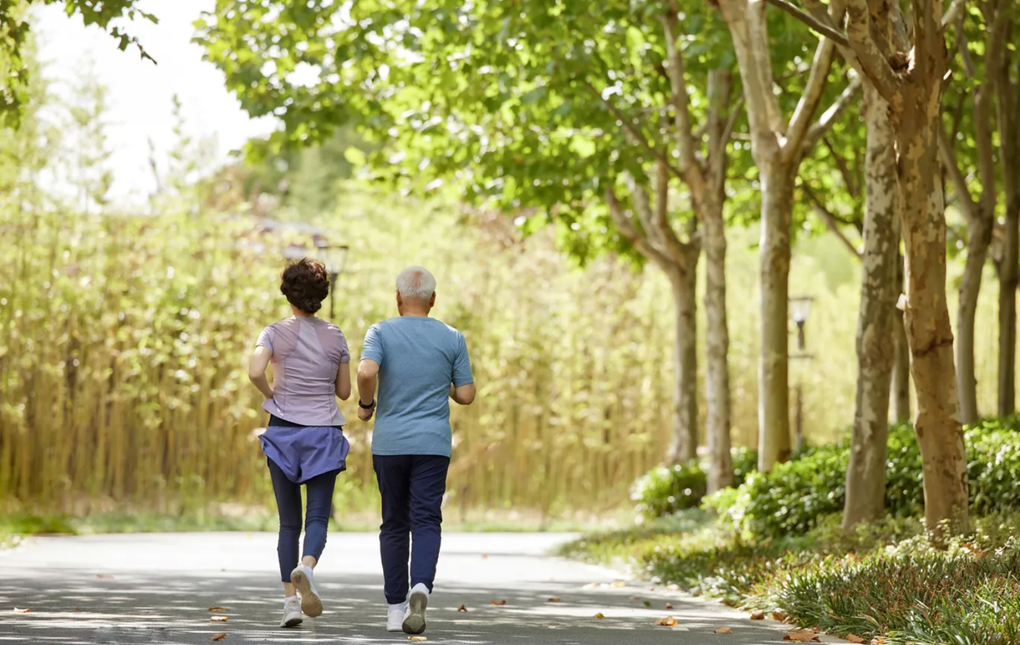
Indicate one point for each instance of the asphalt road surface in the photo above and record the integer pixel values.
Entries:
(158, 588)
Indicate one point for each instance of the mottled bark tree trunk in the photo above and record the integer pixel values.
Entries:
(717, 372)
(1008, 270)
(865, 477)
(927, 314)
(979, 237)
(900, 388)
(685, 424)
(777, 183)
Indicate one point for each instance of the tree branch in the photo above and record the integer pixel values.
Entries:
(952, 166)
(627, 230)
(844, 170)
(681, 109)
(873, 63)
(720, 83)
(955, 9)
(812, 23)
(824, 124)
(804, 113)
(830, 220)
(641, 140)
(762, 60)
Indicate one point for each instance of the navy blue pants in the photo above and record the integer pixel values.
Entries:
(288, 501)
(412, 489)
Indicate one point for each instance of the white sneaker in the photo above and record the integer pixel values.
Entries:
(311, 603)
(417, 603)
(395, 617)
(291, 612)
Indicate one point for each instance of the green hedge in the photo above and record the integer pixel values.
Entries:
(669, 489)
(792, 498)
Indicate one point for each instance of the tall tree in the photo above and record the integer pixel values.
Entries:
(912, 83)
(610, 123)
(977, 199)
(778, 148)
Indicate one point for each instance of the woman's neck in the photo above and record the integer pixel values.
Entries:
(301, 314)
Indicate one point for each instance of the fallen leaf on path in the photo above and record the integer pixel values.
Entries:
(635, 597)
(220, 636)
(593, 585)
(648, 603)
(878, 640)
(758, 615)
(598, 616)
(801, 636)
(417, 638)
(724, 630)
(619, 585)
(22, 611)
(555, 600)
(462, 608)
(498, 603)
(668, 621)
(485, 556)
(77, 608)
(105, 576)
(669, 605)
(219, 619)
(673, 587)
(780, 616)
(217, 609)
(854, 638)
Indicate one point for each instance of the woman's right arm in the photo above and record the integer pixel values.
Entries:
(257, 370)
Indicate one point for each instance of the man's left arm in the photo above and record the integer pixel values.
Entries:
(462, 390)
(368, 383)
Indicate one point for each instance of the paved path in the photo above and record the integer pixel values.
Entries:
(158, 589)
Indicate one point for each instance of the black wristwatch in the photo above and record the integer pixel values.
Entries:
(370, 406)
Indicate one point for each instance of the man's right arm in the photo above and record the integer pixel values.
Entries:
(462, 389)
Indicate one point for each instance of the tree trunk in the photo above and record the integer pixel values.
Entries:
(777, 182)
(1008, 270)
(900, 393)
(979, 237)
(865, 476)
(685, 419)
(927, 315)
(717, 382)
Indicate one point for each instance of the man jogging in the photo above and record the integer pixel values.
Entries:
(417, 364)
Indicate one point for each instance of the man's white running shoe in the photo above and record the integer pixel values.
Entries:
(291, 612)
(417, 603)
(311, 603)
(395, 617)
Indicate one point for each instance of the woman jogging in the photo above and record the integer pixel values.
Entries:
(304, 443)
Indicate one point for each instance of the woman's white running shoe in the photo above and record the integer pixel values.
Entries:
(311, 603)
(417, 603)
(395, 617)
(291, 612)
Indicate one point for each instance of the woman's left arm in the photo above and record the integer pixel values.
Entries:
(343, 381)
(257, 370)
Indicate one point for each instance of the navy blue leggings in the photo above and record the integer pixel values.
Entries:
(412, 488)
(288, 501)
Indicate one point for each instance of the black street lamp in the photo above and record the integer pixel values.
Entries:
(335, 259)
(800, 307)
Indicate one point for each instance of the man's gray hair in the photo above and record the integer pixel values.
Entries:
(416, 283)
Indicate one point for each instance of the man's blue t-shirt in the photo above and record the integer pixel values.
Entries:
(418, 359)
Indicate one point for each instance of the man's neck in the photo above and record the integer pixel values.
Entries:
(414, 313)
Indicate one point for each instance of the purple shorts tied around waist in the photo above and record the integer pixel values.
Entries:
(304, 452)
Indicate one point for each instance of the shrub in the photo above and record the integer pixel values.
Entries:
(668, 489)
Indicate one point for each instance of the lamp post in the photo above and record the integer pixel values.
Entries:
(335, 258)
(800, 307)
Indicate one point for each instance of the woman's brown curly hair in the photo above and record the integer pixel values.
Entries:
(306, 285)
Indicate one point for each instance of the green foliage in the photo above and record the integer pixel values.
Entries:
(664, 490)
(15, 34)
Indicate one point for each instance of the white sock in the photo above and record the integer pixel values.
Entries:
(400, 605)
(289, 598)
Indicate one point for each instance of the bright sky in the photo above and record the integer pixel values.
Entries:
(141, 93)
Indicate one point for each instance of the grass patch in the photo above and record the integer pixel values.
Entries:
(884, 580)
